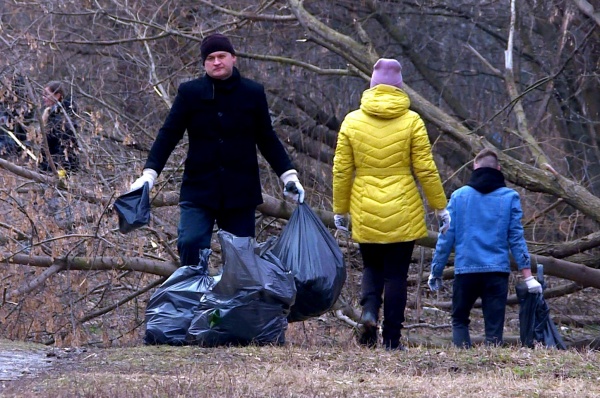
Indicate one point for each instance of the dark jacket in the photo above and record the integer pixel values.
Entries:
(62, 142)
(225, 121)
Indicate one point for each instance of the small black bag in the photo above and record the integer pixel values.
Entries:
(534, 317)
(307, 248)
(133, 209)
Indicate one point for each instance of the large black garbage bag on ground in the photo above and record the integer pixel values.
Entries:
(307, 247)
(534, 318)
(133, 209)
(171, 308)
(250, 303)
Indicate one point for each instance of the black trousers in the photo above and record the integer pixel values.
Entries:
(196, 227)
(384, 274)
(492, 287)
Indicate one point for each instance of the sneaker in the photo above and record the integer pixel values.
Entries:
(368, 330)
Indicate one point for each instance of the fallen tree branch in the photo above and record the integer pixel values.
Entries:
(514, 300)
(156, 267)
(427, 325)
(576, 320)
(339, 314)
(566, 249)
(124, 300)
(36, 282)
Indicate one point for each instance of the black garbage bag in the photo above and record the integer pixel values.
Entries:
(534, 318)
(250, 303)
(307, 247)
(133, 209)
(171, 308)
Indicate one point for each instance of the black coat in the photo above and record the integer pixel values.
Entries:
(225, 121)
(62, 141)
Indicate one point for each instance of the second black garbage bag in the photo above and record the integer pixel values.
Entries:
(307, 247)
(250, 303)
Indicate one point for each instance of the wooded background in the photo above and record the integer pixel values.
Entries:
(521, 77)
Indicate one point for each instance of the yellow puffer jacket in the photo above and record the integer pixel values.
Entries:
(379, 148)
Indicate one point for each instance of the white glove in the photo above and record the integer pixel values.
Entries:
(291, 186)
(149, 176)
(533, 285)
(444, 219)
(341, 222)
(434, 282)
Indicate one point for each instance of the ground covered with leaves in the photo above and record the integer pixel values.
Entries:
(319, 360)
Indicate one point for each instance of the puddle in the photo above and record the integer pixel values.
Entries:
(15, 363)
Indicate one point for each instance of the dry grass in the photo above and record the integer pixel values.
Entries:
(315, 367)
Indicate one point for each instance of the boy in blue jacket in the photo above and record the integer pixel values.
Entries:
(485, 228)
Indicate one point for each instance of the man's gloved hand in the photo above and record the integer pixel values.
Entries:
(434, 282)
(341, 223)
(444, 218)
(149, 176)
(291, 186)
(533, 285)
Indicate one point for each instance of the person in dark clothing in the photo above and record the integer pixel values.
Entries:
(15, 114)
(60, 127)
(485, 227)
(226, 117)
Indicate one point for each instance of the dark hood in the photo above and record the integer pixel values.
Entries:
(486, 179)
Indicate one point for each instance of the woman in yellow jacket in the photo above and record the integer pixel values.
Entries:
(380, 148)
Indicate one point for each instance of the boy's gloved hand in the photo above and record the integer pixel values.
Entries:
(533, 286)
(148, 175)
(341, 223)
(291, 186)
(444, 218)
(434, 282)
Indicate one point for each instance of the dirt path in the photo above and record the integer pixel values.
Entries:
(18, 359)
(16, 363)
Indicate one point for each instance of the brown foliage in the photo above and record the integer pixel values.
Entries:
(123, 65)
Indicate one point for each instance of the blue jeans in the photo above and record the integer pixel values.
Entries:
(196, 225)
(384, 274)
(492, 287)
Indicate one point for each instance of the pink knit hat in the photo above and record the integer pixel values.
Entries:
(387, 71)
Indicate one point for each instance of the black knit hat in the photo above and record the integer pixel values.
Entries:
(213, 43)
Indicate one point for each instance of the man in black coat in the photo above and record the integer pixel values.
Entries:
(226, 117)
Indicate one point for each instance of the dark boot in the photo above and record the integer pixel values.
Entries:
(368, 330)
(394, 345)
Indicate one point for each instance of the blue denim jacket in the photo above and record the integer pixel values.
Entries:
(485, 227)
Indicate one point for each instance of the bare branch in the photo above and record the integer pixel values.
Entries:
(36, 282)
(252, 16)
(162, 268)
(302, 64)
(124, 300)
(487, 63)
(511, 86)
(589, 10)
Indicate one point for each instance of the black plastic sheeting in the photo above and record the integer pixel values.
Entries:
(250, 303)
(133, 209)
(307, 248)
(171, 308)
(534, 317)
